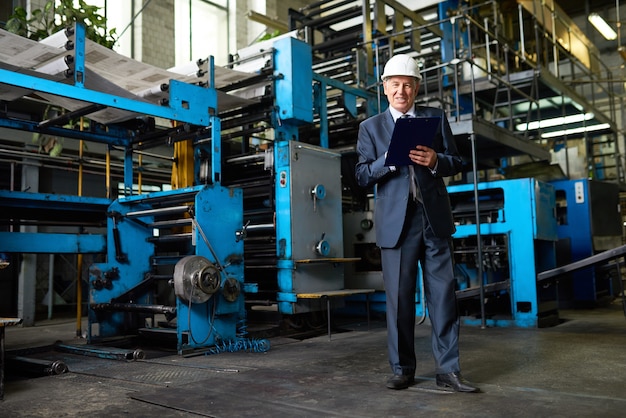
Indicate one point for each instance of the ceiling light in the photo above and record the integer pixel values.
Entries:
(562, 120)
(603, 27)
(575, 131)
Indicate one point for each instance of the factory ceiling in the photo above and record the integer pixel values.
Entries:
(575, 8)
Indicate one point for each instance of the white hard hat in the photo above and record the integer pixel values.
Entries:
(401, 64)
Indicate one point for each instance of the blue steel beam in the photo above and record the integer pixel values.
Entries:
(49, 202)
(79, 55)
(113, 136)
(194, 110)
(341, 86)
(39, 243)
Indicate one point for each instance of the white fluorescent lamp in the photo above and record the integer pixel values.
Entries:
(547, 123)
(602, 27)
(570, 132)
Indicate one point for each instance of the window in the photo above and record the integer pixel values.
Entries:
(202, 30)
(119, 16)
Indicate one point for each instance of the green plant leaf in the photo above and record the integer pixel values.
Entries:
(43, 23)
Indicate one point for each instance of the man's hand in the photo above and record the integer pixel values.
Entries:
(423, 155)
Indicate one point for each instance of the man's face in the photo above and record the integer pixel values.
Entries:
(401, 92)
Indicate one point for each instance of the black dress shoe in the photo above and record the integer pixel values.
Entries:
(400, 381)
(455, 382)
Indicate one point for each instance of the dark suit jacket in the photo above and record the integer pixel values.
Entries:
(392, 187)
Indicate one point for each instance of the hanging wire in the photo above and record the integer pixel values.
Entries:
(206, 241)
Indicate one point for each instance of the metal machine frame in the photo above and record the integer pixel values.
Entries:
(185, 239)
(517, 234)
(589, 222)
(485, 86)
(204, 268)
(292, 182)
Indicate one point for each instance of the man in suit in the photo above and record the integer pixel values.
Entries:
(413, 224)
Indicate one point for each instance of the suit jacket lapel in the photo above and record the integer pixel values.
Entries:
(388, 125)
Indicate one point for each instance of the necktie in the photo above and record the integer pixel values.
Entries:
(414, 188)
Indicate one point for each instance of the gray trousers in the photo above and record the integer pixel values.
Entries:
(418, 243)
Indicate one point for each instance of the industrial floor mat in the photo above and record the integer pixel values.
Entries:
(156, 374)
(270, 393)
(318, 393)
(76, 396)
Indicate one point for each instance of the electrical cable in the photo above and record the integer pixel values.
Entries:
(211, 321)
(206, 241)
(245, 344)
(240, 344)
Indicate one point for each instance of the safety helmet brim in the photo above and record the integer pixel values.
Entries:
(401, 65)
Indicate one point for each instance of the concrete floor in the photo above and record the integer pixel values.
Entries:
(575, 369)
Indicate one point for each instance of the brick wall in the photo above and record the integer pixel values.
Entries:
(157, 33)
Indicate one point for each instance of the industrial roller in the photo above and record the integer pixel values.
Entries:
(196, 279)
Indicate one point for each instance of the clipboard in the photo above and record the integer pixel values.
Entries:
(407, 134)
